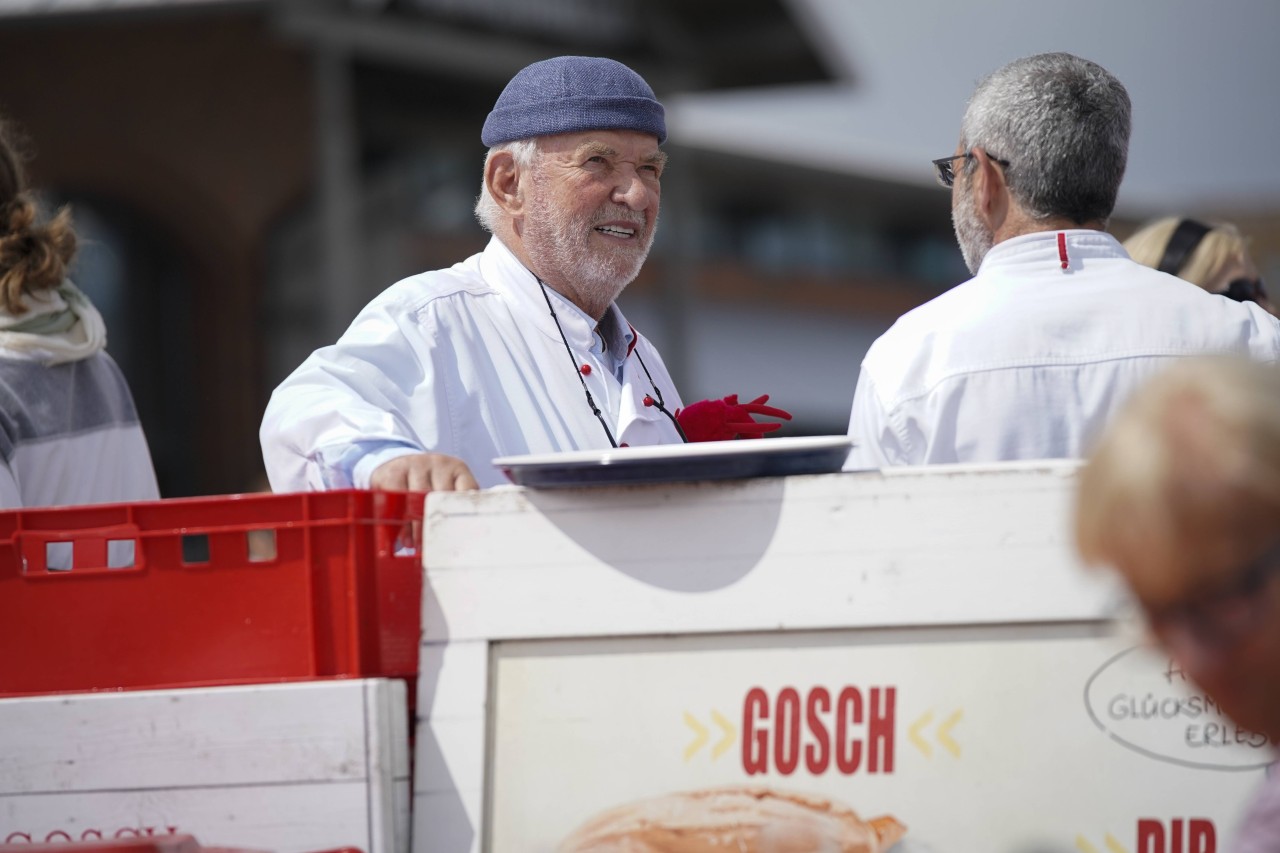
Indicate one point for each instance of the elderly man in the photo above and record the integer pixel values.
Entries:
(1032, 356)
(1182, 497)
(519, 349)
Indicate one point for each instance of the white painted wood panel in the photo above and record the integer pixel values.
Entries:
(450, 747)
(915, 547)
(283, 767)
(286, 817)
(938, 548)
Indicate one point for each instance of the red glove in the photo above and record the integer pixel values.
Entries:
(720, 420)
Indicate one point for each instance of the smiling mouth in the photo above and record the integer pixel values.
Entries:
(617, 231)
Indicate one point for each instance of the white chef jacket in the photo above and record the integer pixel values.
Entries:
(465, 361)
(1030, 360)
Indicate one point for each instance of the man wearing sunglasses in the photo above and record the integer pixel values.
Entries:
(1031, 357)
(1182, 497)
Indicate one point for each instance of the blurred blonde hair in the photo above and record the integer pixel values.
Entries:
(1220, 247)
(1193, 457)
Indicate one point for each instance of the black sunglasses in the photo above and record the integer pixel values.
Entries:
(947, 172)
(1245, 290)
(1182, 245)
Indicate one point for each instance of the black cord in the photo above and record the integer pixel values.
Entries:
(595, 410)
(657, 399)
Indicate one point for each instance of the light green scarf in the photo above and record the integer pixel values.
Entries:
(59, 326)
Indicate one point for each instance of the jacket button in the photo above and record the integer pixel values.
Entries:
(585, 370)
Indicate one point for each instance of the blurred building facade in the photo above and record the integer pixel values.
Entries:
(246, 175)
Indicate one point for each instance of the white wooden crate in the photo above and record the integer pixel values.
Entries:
(588, 648)
(282, 767)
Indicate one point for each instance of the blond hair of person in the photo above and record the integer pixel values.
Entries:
(1221, 246)
(1193, 457)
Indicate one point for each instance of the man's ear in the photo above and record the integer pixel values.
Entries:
(990, 193)
(502, 182)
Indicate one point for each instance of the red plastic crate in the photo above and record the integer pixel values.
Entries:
(340, 596)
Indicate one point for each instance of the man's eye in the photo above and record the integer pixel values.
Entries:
(597, 158)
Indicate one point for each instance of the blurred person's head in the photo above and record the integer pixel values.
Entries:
(1182, 498)
(1043, 146)
(1214, 257)
(572, 177)
(33, 256)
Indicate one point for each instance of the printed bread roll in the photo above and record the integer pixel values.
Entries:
(734, 820)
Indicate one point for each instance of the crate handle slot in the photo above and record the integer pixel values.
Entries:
(195, 549)
(261, 545)
(121, 554)
(59, 553)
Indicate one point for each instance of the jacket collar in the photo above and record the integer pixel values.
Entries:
(1079, 244)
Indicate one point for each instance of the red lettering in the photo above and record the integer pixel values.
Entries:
(786, 743)
(57, 835)
(755, 741)
(848, 711)
(1202, 838)
(818, 754)
(880, 730)
(802, 725)
(1150, 836)
(1185, 835)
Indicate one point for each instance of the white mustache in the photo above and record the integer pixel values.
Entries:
(622, 214)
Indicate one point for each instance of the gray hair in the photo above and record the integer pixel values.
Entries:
(525, 151)
(1062, 122)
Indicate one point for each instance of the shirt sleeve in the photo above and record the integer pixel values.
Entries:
(357, 404)
(876, 443)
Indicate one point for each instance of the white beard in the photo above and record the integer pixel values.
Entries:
(559, 246)
(972, 236)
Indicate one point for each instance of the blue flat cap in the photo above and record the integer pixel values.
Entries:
(570, 94)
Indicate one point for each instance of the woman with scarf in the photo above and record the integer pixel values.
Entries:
(69, 432)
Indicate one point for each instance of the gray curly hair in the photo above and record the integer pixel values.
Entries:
(1062, 122)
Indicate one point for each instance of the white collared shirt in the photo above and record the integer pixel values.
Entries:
(465, 361)
(1030, 360)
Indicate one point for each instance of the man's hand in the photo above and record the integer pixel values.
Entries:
(423, 472)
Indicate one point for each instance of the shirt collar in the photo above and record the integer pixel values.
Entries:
(614, 336)
(1082, 244)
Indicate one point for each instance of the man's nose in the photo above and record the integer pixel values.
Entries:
(632, 191)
